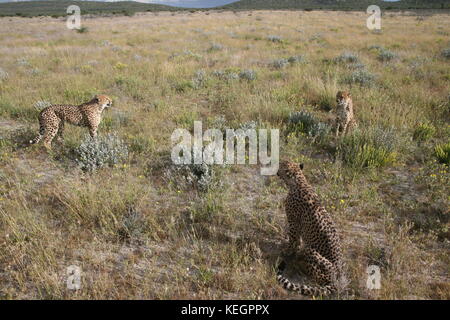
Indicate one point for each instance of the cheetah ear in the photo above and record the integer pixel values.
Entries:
(96, 98)
(301, 166)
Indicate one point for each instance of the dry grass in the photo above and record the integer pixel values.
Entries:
(138, 230)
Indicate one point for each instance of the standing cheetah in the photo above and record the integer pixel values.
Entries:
(308, 220)
(345, 119)
(52, 118)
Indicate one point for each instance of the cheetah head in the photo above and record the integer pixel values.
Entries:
(343, 98)
(103, 101)
(289, 171)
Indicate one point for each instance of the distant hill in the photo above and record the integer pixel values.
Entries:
(337, 4)
(59, 7)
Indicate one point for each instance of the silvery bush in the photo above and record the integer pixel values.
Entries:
(279, 63)
(215, 47)
(386, 55)
(297, 59)
(347, 57)
(225, 75)
(103, 151)
(362, 77)
(200, 176)
(274, 38)
(307, 123)
(248, 75)
(200, 78)
(446, 53)
(23, 62)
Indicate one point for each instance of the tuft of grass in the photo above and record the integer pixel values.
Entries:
(442, 153)
(424, 132)
(215, 47)
(82, 30)
(371, 148)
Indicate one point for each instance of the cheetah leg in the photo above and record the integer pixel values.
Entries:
(293, 235)
(318, 267)
(40, 134)
(351, 126)
(60, 136)
(314, 265)
(93, 132)
(337, 128)
(50, 132)
(345, 128)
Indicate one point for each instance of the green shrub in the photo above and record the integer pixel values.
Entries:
(82, 30)
(368, 149)
(442, 153)
(424, 132)
(183, 86)
(386, 55)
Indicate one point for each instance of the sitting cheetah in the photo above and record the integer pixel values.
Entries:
(52, 118)
(345, 119)
(308, 220)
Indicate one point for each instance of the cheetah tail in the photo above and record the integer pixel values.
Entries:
(39, 136)
(305, 290)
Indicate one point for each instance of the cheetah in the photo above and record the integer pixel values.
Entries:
(52, 118)
(345, 119)
(309, 222)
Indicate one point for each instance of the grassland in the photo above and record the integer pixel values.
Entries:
(141, 229)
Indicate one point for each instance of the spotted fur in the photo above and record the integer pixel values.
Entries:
(345, 119)
(309, 221)
(53, 118)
